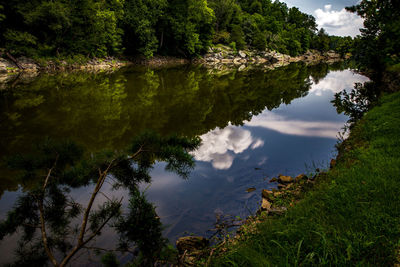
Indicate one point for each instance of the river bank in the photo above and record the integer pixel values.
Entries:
(218, 58)
(350, 216)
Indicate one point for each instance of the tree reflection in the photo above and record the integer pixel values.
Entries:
(55, 227)
(105, 110)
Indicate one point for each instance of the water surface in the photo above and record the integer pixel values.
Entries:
(254, 125)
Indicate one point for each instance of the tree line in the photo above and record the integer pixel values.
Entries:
(185, 28)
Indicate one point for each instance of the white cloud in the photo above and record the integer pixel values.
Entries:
(341, 23)
(218, 145)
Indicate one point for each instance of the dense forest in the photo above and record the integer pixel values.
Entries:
(184, 28)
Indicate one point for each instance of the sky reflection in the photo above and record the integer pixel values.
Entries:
(219, 145)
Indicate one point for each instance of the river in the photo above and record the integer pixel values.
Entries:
(254, 124)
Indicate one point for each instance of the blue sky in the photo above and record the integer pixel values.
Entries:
(331, 15)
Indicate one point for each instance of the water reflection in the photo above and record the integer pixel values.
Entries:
(253, 125)
(336, 82)
(270, 120)
(220, 145)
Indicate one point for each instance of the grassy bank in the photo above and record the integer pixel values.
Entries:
(350, 218)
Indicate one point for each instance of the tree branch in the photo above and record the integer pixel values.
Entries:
(81, 242)
(44, 234)
(42, 220)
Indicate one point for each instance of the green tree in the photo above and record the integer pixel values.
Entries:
(237, 36)
(140, 22)
(379, 45)
(189, 27)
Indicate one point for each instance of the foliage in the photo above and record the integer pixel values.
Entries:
(139, 23)
(47, 214)
(99, 28)
(356, 103)
(379, 44)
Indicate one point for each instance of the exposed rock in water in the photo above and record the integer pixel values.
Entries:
(273, 180)
(285, 179)
(266, 193)
(251, 189)
(191, 243)
(281, 186)
(242, 54)
(265, 205)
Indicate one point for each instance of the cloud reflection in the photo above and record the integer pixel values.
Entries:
(283, 125)
(337, 81)
(219, 145)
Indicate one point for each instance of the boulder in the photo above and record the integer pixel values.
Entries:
(281, 186)
(191, 243)
(265, 205)
(273, 180)
(266, 193)
(285, 179)
(242, 67)
(28, 64)
(7, 66)
(242, 54)
(237, 61)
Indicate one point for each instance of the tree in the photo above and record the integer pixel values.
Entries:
(189, 27)
(140, 21)
(46, 213)
(379, 45)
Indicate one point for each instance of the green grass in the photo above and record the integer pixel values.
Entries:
(350, 218)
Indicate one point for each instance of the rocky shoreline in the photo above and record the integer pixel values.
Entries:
(220, 57)
(26, 68)
(275, 202)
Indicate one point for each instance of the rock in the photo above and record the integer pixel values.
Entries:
(276, 194)
(273, 180)
(285, 179)
(226, 60)
(251, 189)
(242, 54)
(191, 243)
(237, 60)
(266, 193)
(28, 64)
(281, 186)
(7, 66)
(300, 177)
(242, 67)
(265, 205)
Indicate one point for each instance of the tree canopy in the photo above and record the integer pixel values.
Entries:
(99, 28)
